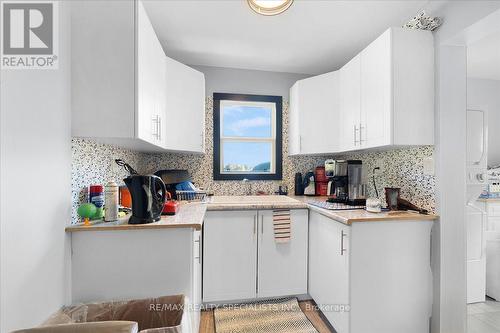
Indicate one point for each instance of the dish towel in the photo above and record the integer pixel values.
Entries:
(282, 225)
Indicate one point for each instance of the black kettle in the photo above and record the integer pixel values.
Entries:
(148, 195)
(148, 198)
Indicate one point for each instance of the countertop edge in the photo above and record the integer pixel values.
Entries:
(192, 213)
(200, 210)
(223, 207)
(80, 228)
(334, 215)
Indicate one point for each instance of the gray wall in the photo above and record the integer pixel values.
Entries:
(486, 93)
(35, 141)
(231, 80)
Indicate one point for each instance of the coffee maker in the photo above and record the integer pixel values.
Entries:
(346, 183)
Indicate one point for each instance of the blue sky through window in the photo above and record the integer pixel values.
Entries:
(247, 121)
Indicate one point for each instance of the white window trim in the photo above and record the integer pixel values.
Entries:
(271, 139)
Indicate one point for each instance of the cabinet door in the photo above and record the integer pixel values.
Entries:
(197, 259)
(350, 104)
(102, 68)
(150, 68)
(329, 268)
(229, 255)
(376, 93)
(319, 110)
(185, 107)
(282, 267)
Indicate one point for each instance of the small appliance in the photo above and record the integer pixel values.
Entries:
(346, 185)
(148, 195)
(309, 184)
(299, 184)
(148, 198)
(171, 207)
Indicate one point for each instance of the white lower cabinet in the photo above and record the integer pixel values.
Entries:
(329, 268)
(242, 260)
(230, 246)
(133, 264)
(282, 267)
(371, 276)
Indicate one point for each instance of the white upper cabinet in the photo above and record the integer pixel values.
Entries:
(314, 110)
(151, 82)
(386, 97)
(102, 69)
(387, 92)
(121, 80)
(185, 108)
(376, 93)
(350, 104)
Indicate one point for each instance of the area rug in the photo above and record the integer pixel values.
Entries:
(282, 316)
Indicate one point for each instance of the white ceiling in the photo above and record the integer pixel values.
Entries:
(311, 37)
(483, 58)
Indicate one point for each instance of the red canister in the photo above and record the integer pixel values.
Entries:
(96, 195)
(319, 174)
(321, 188)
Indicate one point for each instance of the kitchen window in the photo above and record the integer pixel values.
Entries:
(247, 137)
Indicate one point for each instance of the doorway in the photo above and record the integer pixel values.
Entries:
(483, 184)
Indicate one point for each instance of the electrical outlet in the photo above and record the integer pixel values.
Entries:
(429, 166)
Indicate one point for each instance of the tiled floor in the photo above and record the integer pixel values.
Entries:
(483, 317)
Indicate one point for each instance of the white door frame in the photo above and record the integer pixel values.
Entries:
(449, 235)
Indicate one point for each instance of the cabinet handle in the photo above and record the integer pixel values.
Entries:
(262, 224)
(154, 129)
(342, 235)
(361, 127)
(355, 135)
(159, 128)
(300, 143)
(199, 249)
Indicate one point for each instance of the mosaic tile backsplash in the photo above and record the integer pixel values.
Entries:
(92, 163)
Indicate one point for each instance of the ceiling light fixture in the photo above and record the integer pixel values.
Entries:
(269, 7)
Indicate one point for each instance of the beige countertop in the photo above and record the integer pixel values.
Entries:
(252, 202)
(489, 199)
(360, 215)
(190, 215)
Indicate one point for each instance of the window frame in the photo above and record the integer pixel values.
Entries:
(218, 137)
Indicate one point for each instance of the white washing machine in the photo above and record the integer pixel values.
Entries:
(493, 264)
(476, 217)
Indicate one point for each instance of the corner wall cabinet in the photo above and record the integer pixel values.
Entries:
(385, 96)
(313, 115)
(358, 272)
(121, 80)
(242, 261)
